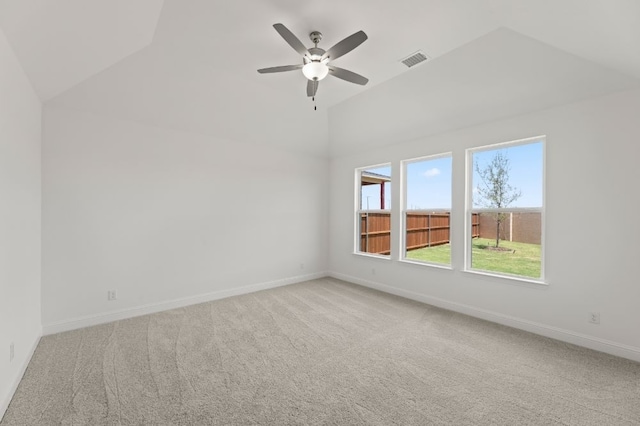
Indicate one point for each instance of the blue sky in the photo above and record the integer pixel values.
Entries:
(429, 184)
(429, 180)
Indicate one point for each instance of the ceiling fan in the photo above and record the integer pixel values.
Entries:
(316, 61)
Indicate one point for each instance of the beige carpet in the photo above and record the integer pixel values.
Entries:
(323, 352)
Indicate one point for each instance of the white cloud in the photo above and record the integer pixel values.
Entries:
(432, 172)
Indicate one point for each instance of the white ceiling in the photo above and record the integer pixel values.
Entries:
(499, 75)
(191, 64)
(63, 42)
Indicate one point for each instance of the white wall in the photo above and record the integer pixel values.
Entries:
(592, 225)
(168, 218)
(20, 116)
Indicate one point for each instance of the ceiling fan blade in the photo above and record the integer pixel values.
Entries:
(291, 39)
(345, 46)
(312, 88)
(347, 75)
(280, 69)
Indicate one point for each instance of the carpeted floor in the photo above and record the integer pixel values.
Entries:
(323, 352)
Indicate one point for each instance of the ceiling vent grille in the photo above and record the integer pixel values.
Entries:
(414, 59)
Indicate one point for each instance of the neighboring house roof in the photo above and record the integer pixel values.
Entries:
(370, 178)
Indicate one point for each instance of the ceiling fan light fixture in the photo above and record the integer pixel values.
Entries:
(315, 70)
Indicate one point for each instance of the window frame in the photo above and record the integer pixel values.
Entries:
(470, 210)
(404, 210)
(359, 209)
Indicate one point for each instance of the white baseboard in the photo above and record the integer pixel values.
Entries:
(4, 404)
(602, 345)
(87, 321)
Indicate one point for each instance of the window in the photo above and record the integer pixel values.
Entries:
(505, 209)
(373, 213)
(427, 210)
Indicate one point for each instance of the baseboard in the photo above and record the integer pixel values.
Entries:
(87, 321)
(602, 345)
(4, 404)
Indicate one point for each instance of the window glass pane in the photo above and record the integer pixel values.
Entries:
(507, 181)
(517, 250)
(375, 189)
(429, 184)
(427, 218)
(374, 215)
(510, 176)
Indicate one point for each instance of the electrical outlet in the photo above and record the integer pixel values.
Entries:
(594, 317)
(11, 352)
(302, 266)
(112, 295)
(373, 271)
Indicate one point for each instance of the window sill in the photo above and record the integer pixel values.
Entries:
(373, 256)
(430, 265)
(517, 279)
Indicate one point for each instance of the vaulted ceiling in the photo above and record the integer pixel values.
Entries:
(191, 64)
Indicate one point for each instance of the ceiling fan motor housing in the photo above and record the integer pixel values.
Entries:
(315, 54)
(315, 36)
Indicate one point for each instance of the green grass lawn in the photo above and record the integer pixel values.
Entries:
(437, 254)
(522, 259)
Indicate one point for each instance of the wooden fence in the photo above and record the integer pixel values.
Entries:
(523, 227)
(375, 233)
(423, 230)
(427, 230)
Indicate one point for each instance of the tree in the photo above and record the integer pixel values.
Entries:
(494, 190)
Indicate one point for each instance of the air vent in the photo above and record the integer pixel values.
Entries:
(414, 59)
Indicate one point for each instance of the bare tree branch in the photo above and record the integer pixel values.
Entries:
(494, 190)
